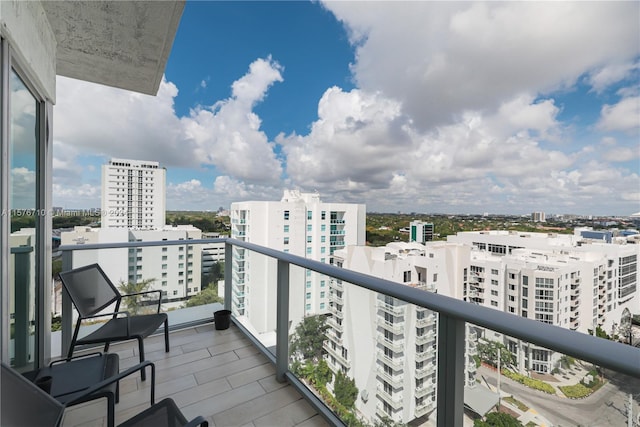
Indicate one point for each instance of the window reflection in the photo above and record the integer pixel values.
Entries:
(23, 140)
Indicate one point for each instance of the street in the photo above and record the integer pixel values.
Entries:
(606, 407)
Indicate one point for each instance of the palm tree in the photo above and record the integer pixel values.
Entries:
(134, 304)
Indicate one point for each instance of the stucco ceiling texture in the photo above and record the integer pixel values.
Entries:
(125, 44)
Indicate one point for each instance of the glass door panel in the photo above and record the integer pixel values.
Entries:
(23, 143)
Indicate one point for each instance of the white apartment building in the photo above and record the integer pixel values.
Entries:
(133, 194)
(176, 269)
(564, 280)
(386, 345)
(301, 224)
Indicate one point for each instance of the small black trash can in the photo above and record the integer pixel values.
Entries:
(222, 319)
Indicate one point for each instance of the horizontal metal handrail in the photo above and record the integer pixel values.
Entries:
(608, 354)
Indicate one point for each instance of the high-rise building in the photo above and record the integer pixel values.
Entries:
(421, 232)
(133, 194)
(538, 217)
(394, 349)
(300, 224)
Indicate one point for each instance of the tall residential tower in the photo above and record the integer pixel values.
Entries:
(300, 224)
(133, 194)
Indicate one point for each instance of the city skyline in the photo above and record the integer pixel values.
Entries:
(403, 108)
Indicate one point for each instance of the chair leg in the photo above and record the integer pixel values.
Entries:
(71, 347)
(143, 374)
(111, 422)
(166, 336)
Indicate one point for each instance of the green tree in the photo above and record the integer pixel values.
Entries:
(488, 352)
(600, 333)
(306, 341)
(136, 303)
(345, 390)
(206, 296)
(498, 419)
(213, 275)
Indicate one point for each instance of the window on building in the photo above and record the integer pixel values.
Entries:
(309, 215)
(407, 276)
(286, 228)
(323, 227)
(308, 295)
(286, 215)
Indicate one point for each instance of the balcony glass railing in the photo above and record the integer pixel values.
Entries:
(287, 320)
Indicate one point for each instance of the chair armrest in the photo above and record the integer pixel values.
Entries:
(146, 292)
(107, 314)
(197, 421)
(118, 377)
(97, 353)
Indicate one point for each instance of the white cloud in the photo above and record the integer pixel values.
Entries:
(440, 59)
(101, 121)
(456, 110)
(623, 116)
(610, 74)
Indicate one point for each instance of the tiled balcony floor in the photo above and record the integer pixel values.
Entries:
(217, 374)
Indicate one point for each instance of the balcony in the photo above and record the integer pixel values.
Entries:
(393, 399)
(202, 362)
(391, 309)
(394, 379)
(426, 370)
(220, 375)
(395, 362)
(424, 408)
(396, 327)
(425, 338)
(337, 355)
(397, 345)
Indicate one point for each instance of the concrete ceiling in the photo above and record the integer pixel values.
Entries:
(125, 44)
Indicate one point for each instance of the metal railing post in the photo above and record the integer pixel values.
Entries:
(451, 359)
(282, 321)
(22, 289)
(67, 307)
(228, 267)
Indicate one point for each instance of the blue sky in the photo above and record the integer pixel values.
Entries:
(500, 107)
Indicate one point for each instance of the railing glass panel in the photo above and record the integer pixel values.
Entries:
(538, 386)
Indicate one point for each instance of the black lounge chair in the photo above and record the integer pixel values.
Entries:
(68, 380)
(22, 403)
(91, 291)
